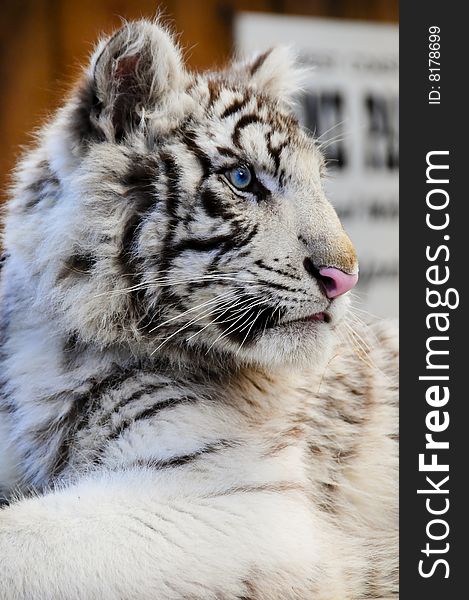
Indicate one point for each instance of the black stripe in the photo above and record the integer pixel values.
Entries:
(91, 400)
(83, 122)
(147, 525)
(75, 420)
(243, 122)
(236, 106)
(275, 152)
(250, 235)
(77, 264)
(180, 461)
(257, 64)
(65, 427)
(237, 238)
(112, 381)
(282, 177)
(72, 348)
(204, 245)
(60, 432)
(214, 88)
(140, 191)
(148, 413)
(104, 418)
(189, 139)
(172, 173)
(45, 186)
(278, 286)
(227, 152)
(260, 263)
(71, 342)
(213, 205)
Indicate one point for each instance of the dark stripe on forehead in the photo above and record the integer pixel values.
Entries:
(236, 106)
(227, 152)
(214, 88)
(257, 64)
(275, 153)
(243, 122)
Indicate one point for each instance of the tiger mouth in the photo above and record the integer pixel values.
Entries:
(320, 317)
(256, 319)
(261, 318)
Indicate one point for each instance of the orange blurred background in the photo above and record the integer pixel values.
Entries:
(43, 44)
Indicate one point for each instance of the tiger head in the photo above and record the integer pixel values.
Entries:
(183, 214)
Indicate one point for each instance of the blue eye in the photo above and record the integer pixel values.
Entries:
(240, 177)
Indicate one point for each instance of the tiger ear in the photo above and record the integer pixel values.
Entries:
(276, 73)
(131, 72)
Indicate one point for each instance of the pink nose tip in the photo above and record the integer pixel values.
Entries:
(336, 282)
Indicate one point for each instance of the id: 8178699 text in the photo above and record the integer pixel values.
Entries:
(434, 65)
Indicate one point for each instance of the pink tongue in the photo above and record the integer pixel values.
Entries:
(317, 317)
(336, 281)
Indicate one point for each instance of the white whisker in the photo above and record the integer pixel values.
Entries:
(202, 305)
(230, 329)
(250, 328)
(198, 318)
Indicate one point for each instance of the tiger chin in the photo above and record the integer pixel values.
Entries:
(185, 408)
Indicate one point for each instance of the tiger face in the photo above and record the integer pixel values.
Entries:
(195, 215)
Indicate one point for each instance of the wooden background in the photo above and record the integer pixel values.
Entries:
(44, 42)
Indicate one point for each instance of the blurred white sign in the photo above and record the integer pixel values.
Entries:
(351, 104)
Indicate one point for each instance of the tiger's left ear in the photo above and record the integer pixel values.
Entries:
(133, 72)
(276, 73)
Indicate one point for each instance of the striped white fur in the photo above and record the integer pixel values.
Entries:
(173, 423)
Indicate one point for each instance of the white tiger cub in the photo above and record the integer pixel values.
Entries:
(182, 414)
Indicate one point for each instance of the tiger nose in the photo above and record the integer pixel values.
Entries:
(336, 282)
